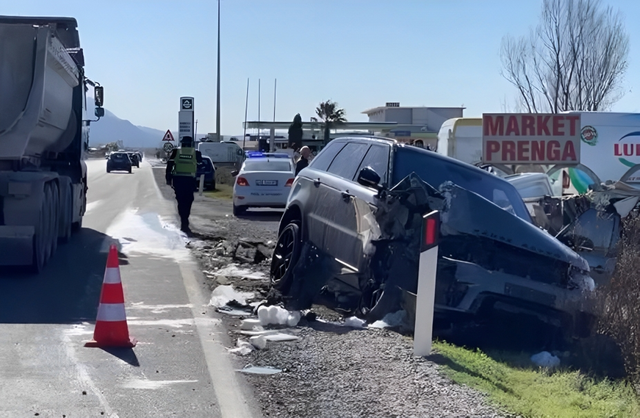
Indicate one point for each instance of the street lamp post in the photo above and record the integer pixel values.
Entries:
(218, 87)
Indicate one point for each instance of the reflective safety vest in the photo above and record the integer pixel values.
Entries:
(185, 163)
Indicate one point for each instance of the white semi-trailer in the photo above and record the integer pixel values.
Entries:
(44, 134)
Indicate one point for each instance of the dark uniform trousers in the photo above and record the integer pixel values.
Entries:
(184, 187)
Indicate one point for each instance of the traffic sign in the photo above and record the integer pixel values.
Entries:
(168, 147)
(168, 136)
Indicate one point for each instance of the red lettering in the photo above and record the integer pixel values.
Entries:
(574, 123)
(523, 151)
(553, 150)
(637, 149)
(528, 125)
(508, 150)
(543, 129)
(491, 147)
(616, 150)
(569, 152)
(627, 150)
(512, 126)
(537, 151)
(493, 128)
(558, 124)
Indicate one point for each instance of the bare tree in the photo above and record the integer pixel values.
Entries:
(575, 59)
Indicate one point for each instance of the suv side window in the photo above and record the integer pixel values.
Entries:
(377, 158)
(326, 156)
(348, 159)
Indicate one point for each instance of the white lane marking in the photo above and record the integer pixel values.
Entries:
(153, 384)
(229, 393)
(157, 308)
(172, 323)
(81, 371)
(233, 399)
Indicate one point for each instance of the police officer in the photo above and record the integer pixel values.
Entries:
(181, 174)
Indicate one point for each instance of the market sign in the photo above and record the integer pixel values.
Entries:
(530, 138)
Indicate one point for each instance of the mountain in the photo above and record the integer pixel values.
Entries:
(111, 128)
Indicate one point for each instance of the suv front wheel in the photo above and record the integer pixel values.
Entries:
(285, 256)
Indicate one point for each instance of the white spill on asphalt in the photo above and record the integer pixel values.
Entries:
(146, 234)
(92, 205)
(232, 270)
(153, 384)
(224, 294)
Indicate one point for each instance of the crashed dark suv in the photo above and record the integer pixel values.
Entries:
(350, 236)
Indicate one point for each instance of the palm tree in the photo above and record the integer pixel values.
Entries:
(331, 115)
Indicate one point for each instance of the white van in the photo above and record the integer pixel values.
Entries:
(225, 152)
(461, 138)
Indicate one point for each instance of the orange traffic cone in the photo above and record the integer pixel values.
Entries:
(111, 324)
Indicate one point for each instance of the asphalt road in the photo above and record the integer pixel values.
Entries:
(179, 367)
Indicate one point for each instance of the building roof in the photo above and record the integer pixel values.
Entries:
(319, 125)
(379, 108)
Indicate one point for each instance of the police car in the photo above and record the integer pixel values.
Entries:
(264, 180)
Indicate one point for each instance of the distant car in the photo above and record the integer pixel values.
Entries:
(119, 161)
(208, 170)
(264, 180)
(134, 159)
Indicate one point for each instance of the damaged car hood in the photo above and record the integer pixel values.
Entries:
(465, 212)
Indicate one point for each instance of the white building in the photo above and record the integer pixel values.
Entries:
(415, 125)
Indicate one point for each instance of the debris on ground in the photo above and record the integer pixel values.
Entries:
(354, 322)
(260, 370)
(391, 320)
(224, 294)
(259, 342)
(243, 348)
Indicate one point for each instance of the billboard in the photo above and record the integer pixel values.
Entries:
(531, 138)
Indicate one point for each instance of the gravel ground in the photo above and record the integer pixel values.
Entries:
(331, 370)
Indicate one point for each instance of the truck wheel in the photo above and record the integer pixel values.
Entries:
(66, 220)
(213, 185)
(285, 256)
(108, 170)
(129, 170)
(55, 216)
(39, 239)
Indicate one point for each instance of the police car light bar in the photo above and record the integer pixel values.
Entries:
(267, 154)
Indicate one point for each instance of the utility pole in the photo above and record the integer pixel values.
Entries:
(218, 89)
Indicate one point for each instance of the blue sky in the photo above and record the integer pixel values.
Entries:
(360, 53)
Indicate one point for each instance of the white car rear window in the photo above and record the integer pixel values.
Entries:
(267, 165)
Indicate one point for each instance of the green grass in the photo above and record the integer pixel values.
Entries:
(222, 191)
(531, 392)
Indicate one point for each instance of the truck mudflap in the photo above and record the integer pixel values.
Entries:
(17, 245)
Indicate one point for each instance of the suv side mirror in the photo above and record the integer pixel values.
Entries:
(369, 178)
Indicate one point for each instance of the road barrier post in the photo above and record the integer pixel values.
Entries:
(201, 186)
(425, 299)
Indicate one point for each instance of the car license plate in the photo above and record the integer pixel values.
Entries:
(266, 182)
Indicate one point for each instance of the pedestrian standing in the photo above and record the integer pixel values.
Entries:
(303, 162)
(181, 175)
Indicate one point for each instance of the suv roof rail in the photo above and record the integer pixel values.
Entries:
(383, 138)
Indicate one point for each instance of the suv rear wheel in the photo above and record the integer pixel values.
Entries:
(285, 256)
